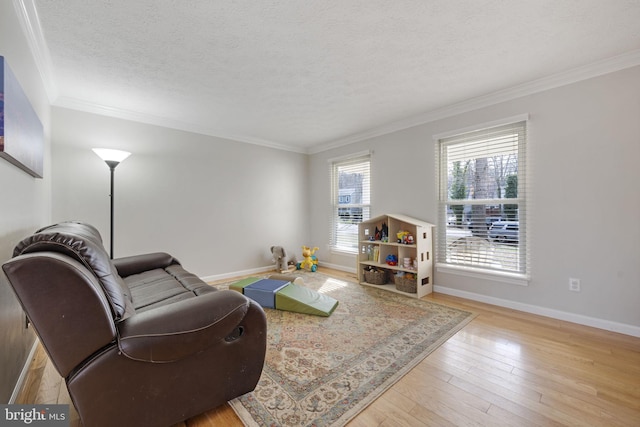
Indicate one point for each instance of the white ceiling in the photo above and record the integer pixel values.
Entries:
(309, 75)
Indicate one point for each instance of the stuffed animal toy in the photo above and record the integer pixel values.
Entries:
(310, 261)
(292, 261)
(280, 257)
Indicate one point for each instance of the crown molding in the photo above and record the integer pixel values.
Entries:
(28, 17)
(610, 65)
(30, 23)
(606, 66)
(135, 116)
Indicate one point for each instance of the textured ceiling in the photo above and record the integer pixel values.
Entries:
(304, 75)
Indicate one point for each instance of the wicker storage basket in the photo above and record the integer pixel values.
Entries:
(406, 285)
(375, 277)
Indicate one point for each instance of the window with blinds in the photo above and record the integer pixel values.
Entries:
(351, 200)
(482, 200)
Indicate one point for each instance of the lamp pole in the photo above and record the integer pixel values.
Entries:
(112, 158)
(112, 166)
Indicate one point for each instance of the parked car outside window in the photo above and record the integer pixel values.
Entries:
(505, 231)
(491, 219)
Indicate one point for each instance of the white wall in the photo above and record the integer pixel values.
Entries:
(216, 205)
(584, 142)
(24, 201)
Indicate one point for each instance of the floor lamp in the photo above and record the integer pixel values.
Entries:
(112, 158)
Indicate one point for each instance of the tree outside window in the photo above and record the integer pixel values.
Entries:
(482, 199)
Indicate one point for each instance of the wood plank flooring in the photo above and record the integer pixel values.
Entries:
(505, 368)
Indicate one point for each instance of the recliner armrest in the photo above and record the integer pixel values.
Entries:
(135, 264)
(175, 331)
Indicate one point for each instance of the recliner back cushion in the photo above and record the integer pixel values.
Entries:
(83, 243)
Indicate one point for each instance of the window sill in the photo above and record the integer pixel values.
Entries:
(478, 273)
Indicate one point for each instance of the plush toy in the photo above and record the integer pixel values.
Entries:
(280, 257)
(292, 261)
(310, 261)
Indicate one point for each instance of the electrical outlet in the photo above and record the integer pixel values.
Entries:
(574, 284)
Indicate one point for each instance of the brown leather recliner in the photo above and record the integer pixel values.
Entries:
(139, 340)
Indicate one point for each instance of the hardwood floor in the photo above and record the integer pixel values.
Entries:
(504, 368)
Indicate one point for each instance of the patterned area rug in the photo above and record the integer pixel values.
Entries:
(322, 371)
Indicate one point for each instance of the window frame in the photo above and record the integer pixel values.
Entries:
(334, 164)
(521, 277)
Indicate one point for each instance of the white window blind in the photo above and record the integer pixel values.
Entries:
(482, 200)
(351, 200)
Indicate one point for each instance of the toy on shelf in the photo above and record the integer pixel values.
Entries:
(381, 234)
(310, 261)
(392, 260)
(384, 233)
(405, 237)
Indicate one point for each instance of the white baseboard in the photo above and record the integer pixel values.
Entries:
(23, 373)
(267, 269)
(580, 319)
(223, 276)
(336, 267)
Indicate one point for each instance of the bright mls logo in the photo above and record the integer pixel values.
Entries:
(34, 415)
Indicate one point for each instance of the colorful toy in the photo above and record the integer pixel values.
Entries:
(392, 259)
(385, 232)
(402, 235)
(405, 237)
(310, 261)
